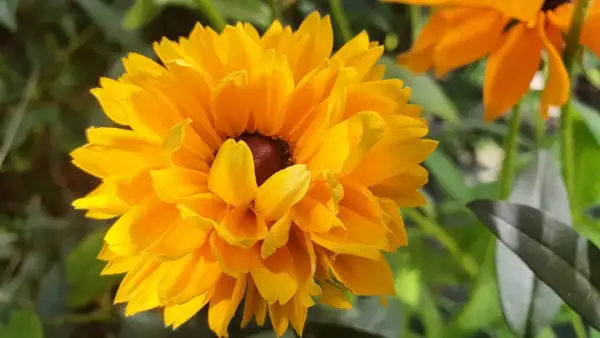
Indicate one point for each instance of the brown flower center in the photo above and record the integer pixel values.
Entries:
(270, 155)
(553, 4)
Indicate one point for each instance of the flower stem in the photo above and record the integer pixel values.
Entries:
(339, 16)
(276, 9)
(217, 21)
(432, 228)
(415, 20)
(566, 118)
(510, 153)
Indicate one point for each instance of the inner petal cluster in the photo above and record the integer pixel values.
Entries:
(270, 155)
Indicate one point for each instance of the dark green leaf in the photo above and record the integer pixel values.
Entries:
(8, 10)
(556, 253)
(448, 175)
(142, 12)
(425, 91)
(22, 324)
(367, 318)
(254, 11)
(528, 304)
(83, 271)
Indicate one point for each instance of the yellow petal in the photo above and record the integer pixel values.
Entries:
(363, 276)
(141, 227)
(232, 174)
(103, 199)
(310, 215)
(510, 69)
(319, 45)
(180, 239)
(279, 319)
(277, 237)
(389, 158)
(229, 104)
(176, 315)
(384, 97)
(121, 265)
(224, 302)
(242, 227)
(334, 296)
(398, 235)
(275, 277)
(557, 88)
(254, 304)
(405, 185)
(281, 191)
(344, 145)
(202, 208)
(234, 260)
(174, 184)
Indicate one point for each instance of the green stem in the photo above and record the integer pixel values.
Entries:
(415, 20)
(217, 21)
(339, 16)
(510, 153)
(276, 9)
(430, 227)
(566, 119)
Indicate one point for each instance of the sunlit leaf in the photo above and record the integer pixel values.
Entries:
(557, 254)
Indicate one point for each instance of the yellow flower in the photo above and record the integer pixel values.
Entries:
(254, 167)
(513, 33)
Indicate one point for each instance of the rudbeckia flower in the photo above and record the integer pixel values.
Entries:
(255, 168)
(513, 33)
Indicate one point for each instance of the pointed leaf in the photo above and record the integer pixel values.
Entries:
(557, 254)
(528, 304)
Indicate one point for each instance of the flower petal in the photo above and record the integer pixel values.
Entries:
(365, 277)
(275, 277)
(232, 174)
(277, 237)
(334, 296)
(174, 184)
(557, 89)
(180, 239)
(510, 69)
(254, 304)
(281, 191)
(224, 302)
(234, 260)
(242, 227)
(344, 145)
(177, 314)
(310, 215)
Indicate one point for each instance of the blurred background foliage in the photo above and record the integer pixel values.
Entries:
(53, 51)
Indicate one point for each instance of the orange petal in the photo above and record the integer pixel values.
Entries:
(557, 89)
(363, 276)
(510, 69)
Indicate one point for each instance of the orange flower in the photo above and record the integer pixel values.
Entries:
(513, 33)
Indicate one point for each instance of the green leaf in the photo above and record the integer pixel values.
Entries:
(254, 11)
(448, 175)
(83, 271)
(22, 324)
(556, 253)
(8, 11)
(142, 12)
(527, 303)
(482, 309)
(109, 20)
(591, 118)
(426, 92)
